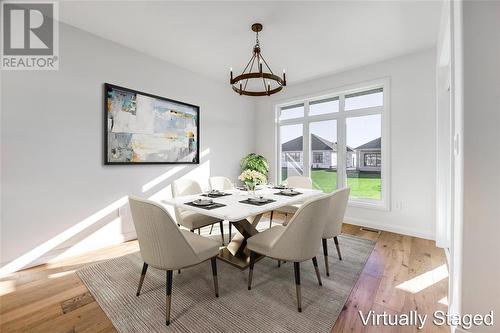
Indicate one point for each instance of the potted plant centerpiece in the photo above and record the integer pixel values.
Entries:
(254, 169)
(251, 179)
(255, 162)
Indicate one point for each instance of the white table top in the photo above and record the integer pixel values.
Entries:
(235, 210)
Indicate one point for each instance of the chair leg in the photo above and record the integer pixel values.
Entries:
(169, 296)
(250, 269)
(179, 271)
(221, 224)
(192, 230)
(271, 219)
(230, 231)
(336, 240)
(296, 268)
(279, 263)
(211, 228)
(214, 273)
(325, 254)
(199, 231)
(315, 263)
(143, 275)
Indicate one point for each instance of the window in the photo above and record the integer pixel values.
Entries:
(292, 111)
(317, 157)
(323, 142)
(291, 143)
(373, 159)
(338, 141)
(363, 137)
(364, 99)
(324, 106)
(293, 156)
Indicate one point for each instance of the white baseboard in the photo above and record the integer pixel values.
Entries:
(124, 237)
(390, 228)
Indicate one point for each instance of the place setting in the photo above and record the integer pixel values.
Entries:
(288, 192)
(215, 194)
(257, 201)
(205, 204)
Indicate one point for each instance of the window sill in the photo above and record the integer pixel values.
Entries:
(369, 204)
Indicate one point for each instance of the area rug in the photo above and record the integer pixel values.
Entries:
(269, 307)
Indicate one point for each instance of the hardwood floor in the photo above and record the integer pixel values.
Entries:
(403, 273)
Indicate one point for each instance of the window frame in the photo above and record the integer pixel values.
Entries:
(340, 117)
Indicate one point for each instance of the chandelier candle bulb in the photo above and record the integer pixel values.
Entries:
(260, 65)
(284, 77)
(231, 71)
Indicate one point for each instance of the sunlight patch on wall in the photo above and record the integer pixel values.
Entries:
(52, 243)
(109, 234)
(149, 185)
(165, 176)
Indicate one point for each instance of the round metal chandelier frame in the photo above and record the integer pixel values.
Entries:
(240, 82)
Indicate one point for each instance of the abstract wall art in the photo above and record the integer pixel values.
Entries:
(142, 128)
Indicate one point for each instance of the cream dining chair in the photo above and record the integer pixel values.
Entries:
(333, 225)
(296, 182)
(189, 219)
(165, 246)
(221, 183)
(297, 241)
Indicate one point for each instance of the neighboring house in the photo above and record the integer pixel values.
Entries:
(369, 156)
(324, 154)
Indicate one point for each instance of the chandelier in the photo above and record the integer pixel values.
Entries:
(263, 82)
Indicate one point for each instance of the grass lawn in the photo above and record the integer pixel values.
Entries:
(366, 186)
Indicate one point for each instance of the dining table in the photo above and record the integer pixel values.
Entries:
(241, 209)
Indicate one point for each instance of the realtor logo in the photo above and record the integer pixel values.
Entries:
(30, 33)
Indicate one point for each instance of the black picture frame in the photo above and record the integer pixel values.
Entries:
(108, 87)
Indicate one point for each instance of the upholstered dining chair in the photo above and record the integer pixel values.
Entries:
(297, 241)
(334, 220)
(189, 219)
(165, 246)
(297, 182)
(220, 183)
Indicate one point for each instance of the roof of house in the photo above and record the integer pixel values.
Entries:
(374, 144)
(317, 143)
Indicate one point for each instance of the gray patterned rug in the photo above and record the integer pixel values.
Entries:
(269, 307)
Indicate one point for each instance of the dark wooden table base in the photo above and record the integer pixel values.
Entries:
(236, 252)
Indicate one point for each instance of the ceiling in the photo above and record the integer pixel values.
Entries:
(309, 39)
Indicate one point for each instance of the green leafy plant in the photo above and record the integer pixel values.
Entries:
(255, 162)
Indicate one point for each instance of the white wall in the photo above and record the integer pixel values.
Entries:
(480, 283)
(56, 190)
(413, 121)
(444, 134)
